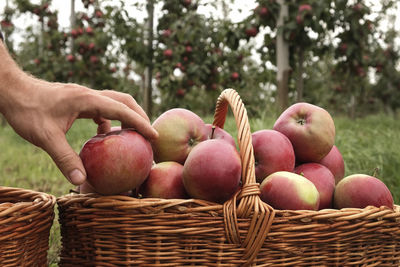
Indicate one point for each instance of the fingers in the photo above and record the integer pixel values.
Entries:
(127, 100)
(65, 158)
(103, 125)
(101, 106)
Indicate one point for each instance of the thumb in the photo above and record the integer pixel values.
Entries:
(66, 159)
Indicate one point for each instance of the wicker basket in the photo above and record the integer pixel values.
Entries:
(244, 231)
(26, 217)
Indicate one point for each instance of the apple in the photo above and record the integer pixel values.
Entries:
(117, 161)
(164, 181)
(289, 191)
(89, 30)
(179, 131)
(215, 132)
(70, 58)
(273, 152)
(251, 32)
(234, 76)
(310, 129)
(299, 19)
(212, 171)
(305, 7)
(360, 191)
(263, 11)
(167, 33)
(188, 49)
(323, 180)
(180, 92)
(93, 59)
(168, 53)
(335, 163)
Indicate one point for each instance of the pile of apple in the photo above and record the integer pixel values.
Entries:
(296, 163)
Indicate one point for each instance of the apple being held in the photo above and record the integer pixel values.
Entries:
(310, 129)
(323, 180)
(215, 132)
(272, 152)
(335, 163)
(360, 191)
(289, 191)
(212, 171)
(164, 181)
(117, 161)
(179, 131)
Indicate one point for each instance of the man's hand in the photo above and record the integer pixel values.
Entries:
(42, 113)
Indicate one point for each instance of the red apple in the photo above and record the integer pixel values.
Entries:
(215, 132)
(305, 7)
(89, 30)
(234, 76)
(323, 180)
(310, 129)
(299, 19)
(168, 53)
(188, 49)
(164, 181)
(212, 171)
(179, 131)
(273, 152)
(167, 33)
(180, 92)
(289, 191)
(360, 191)
(70, 58)
(98, 14)
(251, 32)
(93, 59)
(335, 163)
(263, 11)
(117, 161)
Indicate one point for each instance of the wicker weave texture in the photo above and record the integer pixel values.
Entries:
(26, 217)
(244, 231)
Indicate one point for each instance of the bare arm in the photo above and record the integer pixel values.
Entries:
(42, 112)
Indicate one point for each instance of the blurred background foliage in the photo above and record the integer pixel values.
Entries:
(343, 55)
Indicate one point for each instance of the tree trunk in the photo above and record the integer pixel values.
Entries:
(149, 68)
(282, 58)
(299, 74)
(72, 23)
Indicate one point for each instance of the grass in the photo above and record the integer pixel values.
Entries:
(366, 144)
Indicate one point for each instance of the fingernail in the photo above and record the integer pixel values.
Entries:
(76, 177)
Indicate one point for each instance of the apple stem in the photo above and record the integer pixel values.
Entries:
(212, 132)
(301, 121)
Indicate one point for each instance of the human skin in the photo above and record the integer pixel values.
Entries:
(42, 112)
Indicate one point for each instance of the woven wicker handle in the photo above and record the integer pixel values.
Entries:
(230, 96)
(246, 203)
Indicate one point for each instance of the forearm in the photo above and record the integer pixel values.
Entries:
(11, 79)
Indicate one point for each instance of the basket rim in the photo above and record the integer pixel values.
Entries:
(114, 201)
(24, 198)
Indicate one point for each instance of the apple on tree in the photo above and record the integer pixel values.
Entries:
(212, 171)
(117, 161)
(310, 129)
(179, 131)
(272, 152)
